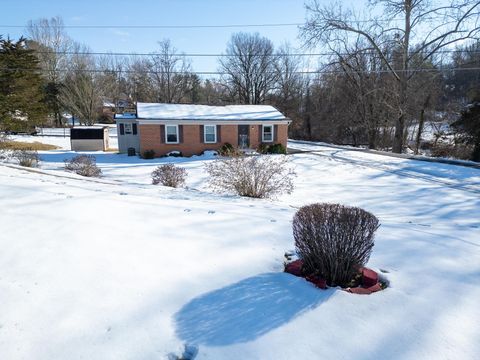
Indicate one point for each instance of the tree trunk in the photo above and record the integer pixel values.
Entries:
(476, 151)
(372, 139)
(308, 127)
(421, 122)
(398, 136)
(400, 123)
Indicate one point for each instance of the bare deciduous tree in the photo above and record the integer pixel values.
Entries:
(51, 44)
(288, 94)
(81, 94)
(169, 72)
(139, 85)
(399, 27)
(249, 64)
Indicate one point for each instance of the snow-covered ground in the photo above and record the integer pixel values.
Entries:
(57, 138)
(127, 270)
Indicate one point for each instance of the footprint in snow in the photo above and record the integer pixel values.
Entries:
(187, 210)
(190, 352)
(273, 220)
(123, 193)
(211, 211)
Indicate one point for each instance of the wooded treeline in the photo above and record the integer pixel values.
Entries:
(380, 81)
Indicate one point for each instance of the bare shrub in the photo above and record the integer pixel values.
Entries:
(84, 165)
(3, 140)
(3, 146)
(27, 158)
(169, 175)
(252, 176)
(455, 151)
(333, 240)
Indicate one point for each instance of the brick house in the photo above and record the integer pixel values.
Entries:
(192, 129)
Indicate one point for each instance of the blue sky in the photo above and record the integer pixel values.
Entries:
(160, 12)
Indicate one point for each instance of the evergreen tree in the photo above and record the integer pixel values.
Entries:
(469, 126)
(21, 95)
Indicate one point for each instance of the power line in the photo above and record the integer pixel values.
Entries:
(186, 26)
(159, 26)
(101, 53)
(317, 72)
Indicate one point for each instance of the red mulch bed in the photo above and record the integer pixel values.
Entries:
(369, 279)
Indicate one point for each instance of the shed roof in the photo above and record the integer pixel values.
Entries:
(207, 112)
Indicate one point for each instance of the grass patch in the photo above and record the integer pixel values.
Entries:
(20, 145)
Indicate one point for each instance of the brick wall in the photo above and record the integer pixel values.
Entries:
(192, 144)
(282, 134)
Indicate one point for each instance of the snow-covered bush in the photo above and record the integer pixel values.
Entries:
(252, 176)
(333, 240)
(27, 158)
(84, 165)
(169, 175)
(175, 153)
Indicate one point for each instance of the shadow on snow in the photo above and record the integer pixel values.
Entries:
(243, 311)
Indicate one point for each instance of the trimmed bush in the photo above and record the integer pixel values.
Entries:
(84, 165)
(277, 149)
(333, 240)
(169, 175)
(27, 158)
(148, 154)
(227, 149)
(271, 149)
(252, 176)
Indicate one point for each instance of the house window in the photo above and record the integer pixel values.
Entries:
(267, 133)
(210, 134)
(171, 134)
(128, 128)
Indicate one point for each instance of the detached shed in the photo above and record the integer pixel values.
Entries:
(89, 138)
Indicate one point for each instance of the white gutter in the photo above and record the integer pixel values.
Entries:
(213, 121)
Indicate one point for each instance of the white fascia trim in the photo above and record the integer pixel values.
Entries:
(216, 122)
(125, 120)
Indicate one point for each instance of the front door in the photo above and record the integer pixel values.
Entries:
(243, 141)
